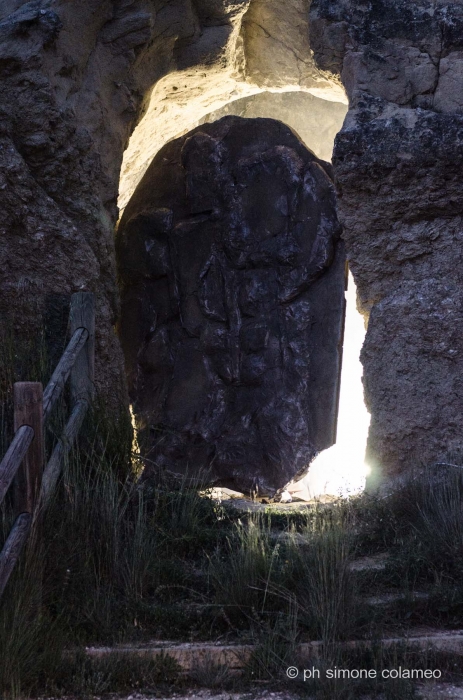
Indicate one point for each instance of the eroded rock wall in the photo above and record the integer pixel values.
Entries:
(398, 164)
(67, 101)
(233, 282)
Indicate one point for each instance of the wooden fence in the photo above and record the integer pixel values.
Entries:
(23, 465)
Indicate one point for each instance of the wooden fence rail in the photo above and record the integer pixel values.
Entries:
(13, 458)
(13, 546)
(63, 370)
(23, 464)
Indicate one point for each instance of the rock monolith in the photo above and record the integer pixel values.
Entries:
(233, 278)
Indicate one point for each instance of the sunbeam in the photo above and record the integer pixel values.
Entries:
(341, 470)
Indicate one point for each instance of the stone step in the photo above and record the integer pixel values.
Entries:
(235, 657)
(245, 505)
(392, 598)
(376, 562)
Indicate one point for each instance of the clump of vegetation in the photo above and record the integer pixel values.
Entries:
(211, 674)
(122, 560)
(420, 524)
(87, 676)
(325, 588)
(275, 646)
(113, 554)
(243, 570)
(260, 573)
(31, 640)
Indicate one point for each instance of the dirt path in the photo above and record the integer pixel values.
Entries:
(443, 691)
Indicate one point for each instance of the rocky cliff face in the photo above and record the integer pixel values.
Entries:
(233, 282)
(398, 163)
(67, 100)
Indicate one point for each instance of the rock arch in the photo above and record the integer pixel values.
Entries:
(77, 78)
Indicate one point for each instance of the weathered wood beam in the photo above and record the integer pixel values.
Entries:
(28, 410)
(13, 458)
(63, 370)
(13, 546)
(62, 448)
(82, 315)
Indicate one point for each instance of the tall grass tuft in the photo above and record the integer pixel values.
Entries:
(420, 523)
(244, 570)
(325, 587)
(260, 575)
(110, 549)
(436, 517)
(31, 639)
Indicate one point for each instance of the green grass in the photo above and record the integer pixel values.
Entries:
(124, 561)
(113, 553)
(420, 525)
(127, 561)
(84, 676)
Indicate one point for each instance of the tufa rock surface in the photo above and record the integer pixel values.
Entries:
(398, 164)
(233, 279)
(237, 49)
(315, 121)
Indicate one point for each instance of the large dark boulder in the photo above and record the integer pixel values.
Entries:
(232, 277)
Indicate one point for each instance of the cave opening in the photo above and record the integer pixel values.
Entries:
(336, 470)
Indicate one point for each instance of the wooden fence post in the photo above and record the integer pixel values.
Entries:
(82, 315)
(28, 410)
